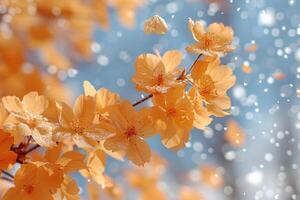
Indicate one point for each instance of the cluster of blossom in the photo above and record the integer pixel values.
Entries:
(101, 123)
(44, 26)
(36, 33)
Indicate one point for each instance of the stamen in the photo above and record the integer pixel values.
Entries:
(172, 111)
(28, 189)
(130, 132)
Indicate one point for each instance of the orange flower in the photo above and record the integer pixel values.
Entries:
(211, 176)
(66, 162)
(29, 120)
(20, 83)
(77, 20)
(146, 179)
(251, 47)
(31, 183)
(155, 24)
(3, 115)
(131, 127)
(111, 190)
(214, 41)
(201, 115)
(175, 117)
(95, 166)
(279, 75)
(104, 98)
(93, 191)
(187, 193)
(247, 68)
(234, 134)
(156, 74)
(78, 123)
(101, 12)
(59, 164)
(42, 38)
(69, 189)
(212, 80)
(126, 10)
(7, 157)
(11, 53)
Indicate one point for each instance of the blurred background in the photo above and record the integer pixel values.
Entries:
(265, 107)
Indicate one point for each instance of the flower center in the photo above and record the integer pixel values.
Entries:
(75, 126)
(160, 79)
(32, 123)
(207, 42)
(130, 132)
(28, 189)
(172, 112)
(206, 86)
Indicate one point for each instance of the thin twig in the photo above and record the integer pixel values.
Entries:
(6, 179)
(7, 174)
(191, 68)
(191, 82)
(32, 149)
(142, 100)
(29, 140)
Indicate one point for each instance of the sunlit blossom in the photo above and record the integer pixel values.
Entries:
(215, 40)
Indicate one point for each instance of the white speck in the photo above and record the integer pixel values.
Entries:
(208, 133)
(121, 82)
(249, 115)
(52, 69)
(103, 60)
(72, 72)
(230, 155)
(239, 92)
(197, 146)
(254, 178)
(297, 54)
(267, 17)
(96, 47)
(268, 157)
(291, 2)
(228, 190)
(172, 7)
(270, 80)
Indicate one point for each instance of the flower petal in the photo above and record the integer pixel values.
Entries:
(33, 103)
(84, 109)
(12, 104)
(171, 60)
(138, 151)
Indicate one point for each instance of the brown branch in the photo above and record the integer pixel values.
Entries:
(32, 149)
(7, 174)
(6, 179)
(191, 68)
(142, 100)
(21, 152)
